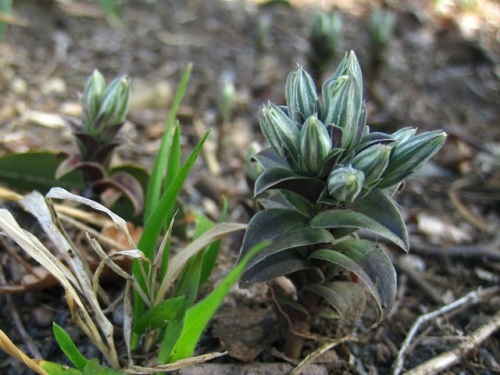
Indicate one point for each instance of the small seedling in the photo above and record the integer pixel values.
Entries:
(381, 29)
(329, 176)
(324, 39)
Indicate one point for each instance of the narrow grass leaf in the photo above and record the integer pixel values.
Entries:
(174, 158)
(69, 348)
(199, 315)
(155, 183)
(163, 213)
(178, 262)
(159, 315)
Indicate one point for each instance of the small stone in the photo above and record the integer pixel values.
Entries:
(18, 86)
(54, 86)
(43, 316)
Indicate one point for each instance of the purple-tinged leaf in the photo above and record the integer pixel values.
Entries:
(280, 264)
(368, 262)
(347, 298)
(103, 154)
(281, 178)
(376, 213)
(126, 184)
(268, 158)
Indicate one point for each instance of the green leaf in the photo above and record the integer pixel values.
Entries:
(377, 265)
(163, 213)
(69, 348)
(159, 167)
(200, 314)
(268, 158)
(299, 237)
(57, 369)
(94, 368)
(269, 224)
(279, 264)
(347, 298)
(368, 262)
(376, 213)
(123, 207)
(203, 224)
(281, 178)
(36, 171)
(159, 315)
(174, 157)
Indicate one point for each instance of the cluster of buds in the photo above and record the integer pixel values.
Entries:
(104, 107)
(326, 138)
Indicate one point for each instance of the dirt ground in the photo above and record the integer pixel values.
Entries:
(441, 69)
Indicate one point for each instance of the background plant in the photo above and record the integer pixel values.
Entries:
(165, 309)
(381, 28)
(325, 35)
(328, 176)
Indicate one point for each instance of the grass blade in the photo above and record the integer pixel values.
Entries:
(69, 348)
(159, 167)
(163, 213)
(199, 315)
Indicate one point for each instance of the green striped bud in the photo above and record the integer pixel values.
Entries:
(349, 66)
(409, 156)
(345, 183)
(114, 105)
(91, 99)
(315, 144)
(280, 131)
(343, 106)
(402, 135)
(372, 161)
(301, 95)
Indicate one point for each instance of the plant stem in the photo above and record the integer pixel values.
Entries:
(300, 325)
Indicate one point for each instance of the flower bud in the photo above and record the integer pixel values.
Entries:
(301, 95)
(410, 155)
(114, 105)
(315, 144)
(345, 183)
(372, 161)
(343, 106)
(402, 135)
(252, 168)
(91, 99)
(349, 66)
(280, 131)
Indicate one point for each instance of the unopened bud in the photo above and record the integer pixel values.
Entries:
(115, 101)
(372, 161)
(343, 106)
(315, 144)
(281, 132)
(409, 156)
(92, 97)
(345, 183)
(301, 95)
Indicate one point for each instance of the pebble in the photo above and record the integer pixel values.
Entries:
(43, 316)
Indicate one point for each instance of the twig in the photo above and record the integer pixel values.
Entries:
(471, 342)
(320, 351)
(476, 220)
(417, 279)
(473, 297)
